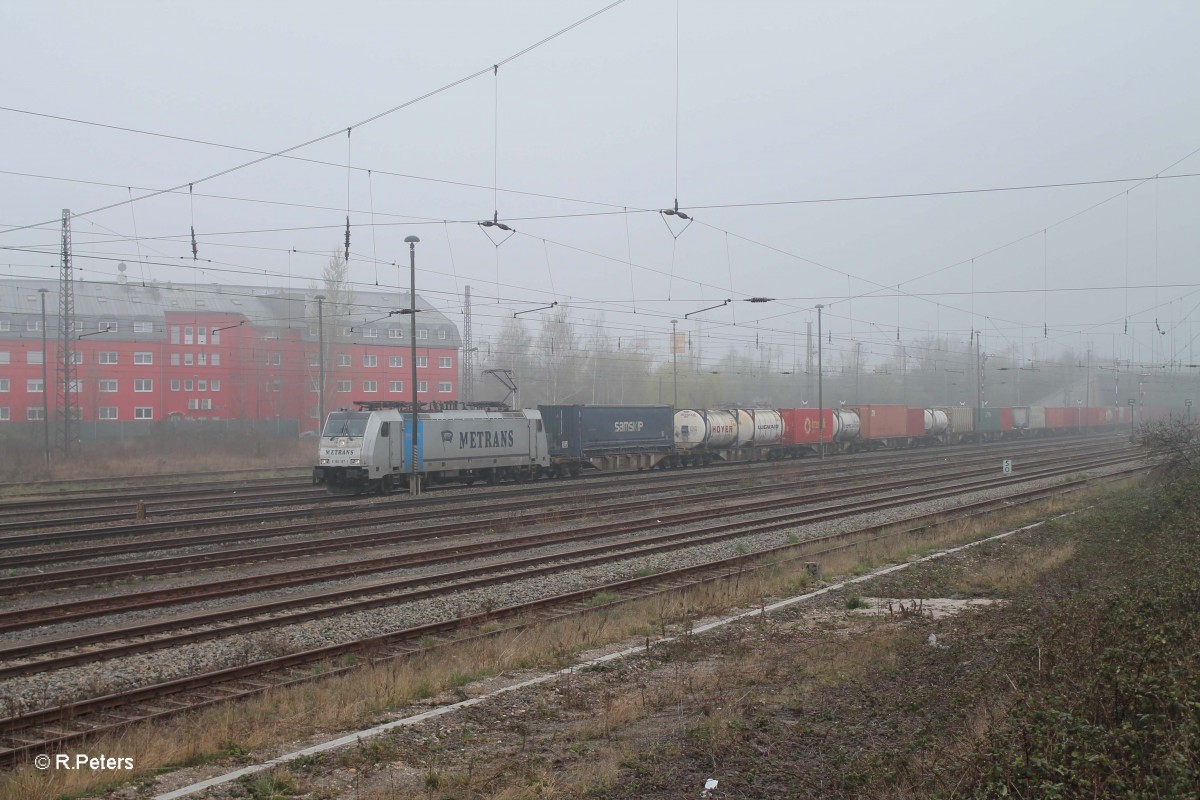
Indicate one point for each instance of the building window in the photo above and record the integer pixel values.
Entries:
(395, 361)
(109, 325)
(34, 414)
(444, 387)
(142, 327)
(201, 359)
(189, 385)
(4, 357)
(276, 386)
(444, 362)
(108, 357)
(422, 333)
(187, 335)
(174, 334)
(174, 384)
(343, 360)
(371, 386)
(193, 404)
(143, 358)
(201, 335)
(108, 385)
(441, 333)
(275, 360)
(314, 359)
(143, 412)
(174, 359)
(347, 332)
(33, 356)
(395, 386)
(5, 326)
(422, 387)
(33, 325)
(201, 386)
(106, 412)
(76, 357)
(370, 361)
(205, 404)
(189, 359)
(395, 333)
(5, 414)
(216, 359)
(422, 362)
(214, 386)
(312, 386)
(371, 333)
(76, 386)
(216, 335)
(143, 385)
(34, 385)
(4, 384)
(343, 386)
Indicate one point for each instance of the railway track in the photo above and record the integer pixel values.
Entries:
(610, 501)
(88, 528)
(23, 735)
(53, 728)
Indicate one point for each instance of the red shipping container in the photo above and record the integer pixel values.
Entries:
(800, 425)
(882, 422)
(1059, 418)
(916, 422)
(1006, 421)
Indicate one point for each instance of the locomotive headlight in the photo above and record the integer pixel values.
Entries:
(324, 460)
(354, 461)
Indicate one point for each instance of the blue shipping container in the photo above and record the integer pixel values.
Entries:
(586, 430)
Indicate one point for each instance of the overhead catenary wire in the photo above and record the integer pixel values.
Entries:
(367, 121)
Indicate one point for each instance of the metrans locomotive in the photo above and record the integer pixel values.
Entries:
(371, 450)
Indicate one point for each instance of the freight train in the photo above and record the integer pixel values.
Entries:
(371, 448)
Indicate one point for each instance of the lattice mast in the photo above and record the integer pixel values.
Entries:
(67, 372)
(468, 352)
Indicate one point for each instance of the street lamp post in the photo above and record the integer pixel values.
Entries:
(820, 389)
(674, 366)
(414, 478)
(320, 364)
(45, 384)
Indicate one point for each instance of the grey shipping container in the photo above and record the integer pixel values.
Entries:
(588, 430)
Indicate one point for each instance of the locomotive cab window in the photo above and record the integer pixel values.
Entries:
(347, 423)
(383, 430)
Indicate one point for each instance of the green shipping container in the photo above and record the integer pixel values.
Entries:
(987, 420)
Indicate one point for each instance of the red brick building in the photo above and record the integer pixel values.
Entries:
(156, 351)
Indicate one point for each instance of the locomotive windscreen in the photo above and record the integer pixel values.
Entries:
(347, 423)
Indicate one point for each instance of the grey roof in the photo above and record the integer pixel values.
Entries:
(263, 307)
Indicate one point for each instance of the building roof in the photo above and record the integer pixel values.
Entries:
(262, 307)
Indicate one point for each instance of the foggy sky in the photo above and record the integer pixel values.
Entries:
(771, 102)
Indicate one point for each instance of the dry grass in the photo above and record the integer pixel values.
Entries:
(154, 456)
(368, 695)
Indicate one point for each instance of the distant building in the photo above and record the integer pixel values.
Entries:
(153, 351)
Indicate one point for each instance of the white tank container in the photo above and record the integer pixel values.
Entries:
(690, 429)
(936, 422)
(768, 426)
(846, 424)
(722, 429)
